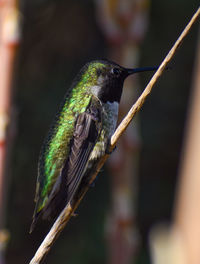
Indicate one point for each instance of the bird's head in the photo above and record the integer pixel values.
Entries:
(105, 79)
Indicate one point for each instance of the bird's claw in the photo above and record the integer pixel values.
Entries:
(108, 150)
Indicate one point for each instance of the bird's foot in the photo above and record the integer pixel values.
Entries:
(108, 151)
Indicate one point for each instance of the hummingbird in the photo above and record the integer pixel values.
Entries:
(79, 136)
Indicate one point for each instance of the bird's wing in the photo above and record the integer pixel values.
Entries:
(86, 132)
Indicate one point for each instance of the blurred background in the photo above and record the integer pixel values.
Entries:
(53, 41)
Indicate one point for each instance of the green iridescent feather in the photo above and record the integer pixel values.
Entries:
(57, 145)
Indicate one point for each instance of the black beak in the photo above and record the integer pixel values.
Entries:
(131, 71)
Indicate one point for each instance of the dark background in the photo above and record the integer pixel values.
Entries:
(58, 37)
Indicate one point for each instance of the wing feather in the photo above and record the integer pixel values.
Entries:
(87, 130)
(85, 135)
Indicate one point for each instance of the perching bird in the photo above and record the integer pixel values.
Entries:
(79, 135)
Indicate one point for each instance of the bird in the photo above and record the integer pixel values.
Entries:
(79, 135)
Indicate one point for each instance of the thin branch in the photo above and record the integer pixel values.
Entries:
(68, 210)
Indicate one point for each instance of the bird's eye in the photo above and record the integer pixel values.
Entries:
(115, 71)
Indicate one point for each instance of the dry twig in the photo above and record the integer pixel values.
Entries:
(68, 210)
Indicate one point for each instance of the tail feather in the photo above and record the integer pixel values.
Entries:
(34, 222)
